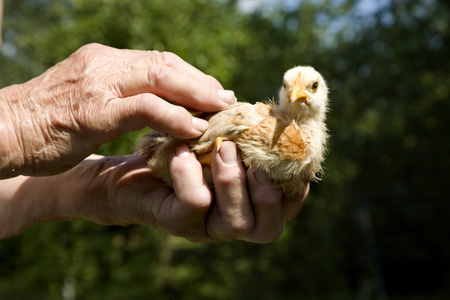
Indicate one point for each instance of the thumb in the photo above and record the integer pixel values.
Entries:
(147, 110)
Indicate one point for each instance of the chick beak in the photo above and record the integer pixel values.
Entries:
(297, 93)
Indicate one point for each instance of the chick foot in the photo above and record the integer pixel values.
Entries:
(205, 159)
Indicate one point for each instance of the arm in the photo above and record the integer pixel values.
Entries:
(121, 190)
(50, 124)
(54, 121)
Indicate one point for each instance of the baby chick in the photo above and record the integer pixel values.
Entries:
(285, 139)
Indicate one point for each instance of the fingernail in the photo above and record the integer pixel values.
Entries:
(199, 124)
(182, 150)
(228, 156)
(262, 178)
(227, 96)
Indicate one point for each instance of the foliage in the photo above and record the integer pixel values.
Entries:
(377, 225)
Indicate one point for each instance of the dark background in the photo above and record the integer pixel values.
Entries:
(376, 227)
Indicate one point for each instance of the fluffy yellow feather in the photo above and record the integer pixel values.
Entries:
(286, 139)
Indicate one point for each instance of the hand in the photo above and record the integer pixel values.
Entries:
(120, 190)
(54, 121)
(245, 206)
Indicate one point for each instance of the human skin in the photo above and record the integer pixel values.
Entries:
(54, 121)
(52, 124)
(121, 190)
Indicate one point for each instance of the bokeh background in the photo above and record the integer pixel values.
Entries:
(376, 227)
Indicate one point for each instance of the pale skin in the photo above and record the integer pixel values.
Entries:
(51, 125)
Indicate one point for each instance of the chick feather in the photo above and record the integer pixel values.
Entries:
(285, 139)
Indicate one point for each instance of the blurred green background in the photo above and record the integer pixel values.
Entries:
(376, 227)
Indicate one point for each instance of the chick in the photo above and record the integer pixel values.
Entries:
(285, 139)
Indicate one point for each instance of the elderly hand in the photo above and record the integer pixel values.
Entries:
(120, 190)
(245, 204)
(51, 123)
(54, 121)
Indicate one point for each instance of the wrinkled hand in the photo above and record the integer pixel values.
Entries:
(245, 204)
(54, 121)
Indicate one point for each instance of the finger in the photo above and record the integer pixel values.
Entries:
(188, 181)
(126, 60)
(146, 59)
(266, 201)
(293, 204)
(232, 214)
(177, 63)
(193, 196)
(175, 86)
(137, 112)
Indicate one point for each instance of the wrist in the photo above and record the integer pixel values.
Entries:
(11, 156)
(28, 201)
(88, 191)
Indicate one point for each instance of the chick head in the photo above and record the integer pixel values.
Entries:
(304, 92)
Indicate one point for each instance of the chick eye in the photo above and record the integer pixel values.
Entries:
(284, 85)
(315, 86)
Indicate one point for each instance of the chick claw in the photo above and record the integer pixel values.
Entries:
(218, 143)
(205, 159)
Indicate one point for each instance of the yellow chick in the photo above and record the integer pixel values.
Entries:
(286, 139)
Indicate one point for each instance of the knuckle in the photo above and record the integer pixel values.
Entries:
(87, 50)
(200, 204)
(276, 231)
(157, 75)
(182, 115)
(228, 228)
(269, 199)
(213, 81)
(184, 167)
(155, 57)
(235, 227)
(165, 117)
(90, 47)
(180, 231)
(169, 58)
(84, 56)
(164, 58)
(241, 227)
(272, 235)
(210, 91)
(155, 53)
(231, 178)
(181, 120)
